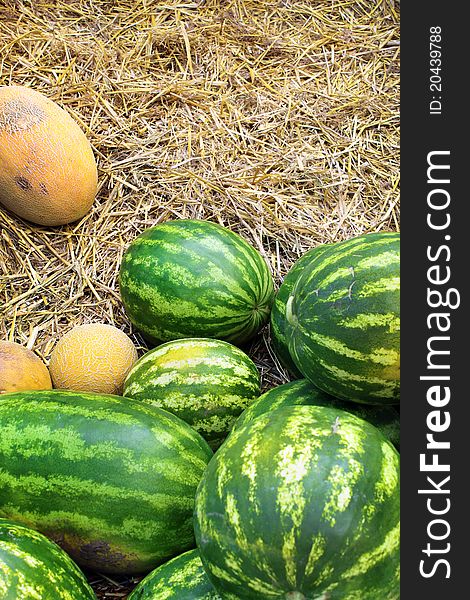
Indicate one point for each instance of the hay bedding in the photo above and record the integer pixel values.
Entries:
(278, 119)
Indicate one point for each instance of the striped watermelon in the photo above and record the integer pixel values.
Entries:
(302, 392)
(32, 567)
(278, 321)
(194, 278)
(110, 479)
(344, 319)
(205, 382)
(182, 578)
(302, 503)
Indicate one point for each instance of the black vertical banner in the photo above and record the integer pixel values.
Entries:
(435, 230)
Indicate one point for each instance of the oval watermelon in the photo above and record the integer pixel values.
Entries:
(194, 278)
(109, 479)
(205, 382)
(303, 393)
(33, 567)
(182, 578)
(302, 503)
(278, 321)
(344, 319)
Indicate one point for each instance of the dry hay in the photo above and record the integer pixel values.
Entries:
(276, 118)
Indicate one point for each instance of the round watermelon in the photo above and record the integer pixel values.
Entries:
(206, 382)
(182, 578)
(278, 322)
(194, 278)
(110, 479)
(32, 567)
(302, 392)
(302, 503)
(343, 319)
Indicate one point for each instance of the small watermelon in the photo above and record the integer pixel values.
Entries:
(302, 392)
(32, 567)
(206, 382)
(110, 479)
(302, 503)
(194, 278)
(344, 319)
(182, 578)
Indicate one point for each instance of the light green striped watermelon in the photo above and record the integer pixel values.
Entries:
(182, 578)
(206, 382)
(302, 503)
(194, 278)
(111, 480)
(302, 392)
(33, 567)
(344, 319)
(278, 321)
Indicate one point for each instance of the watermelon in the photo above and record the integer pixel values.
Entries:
(194, 278)
(206, 382)
(344, 319)
(303, 392)
(182, 578)
(302, 503)
(278, 320)
(33, 567)
(110, 479)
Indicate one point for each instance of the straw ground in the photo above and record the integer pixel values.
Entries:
(276, 118)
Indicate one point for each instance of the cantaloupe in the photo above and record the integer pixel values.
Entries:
(95, 357)
(21, 370)
(48, 173)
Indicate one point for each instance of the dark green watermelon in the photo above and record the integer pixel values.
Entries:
(110, 479)
(302, 392)
(32, 567)
(194, 278)
(182, 578)
(205, 382)
(302, 503)
(344, 320)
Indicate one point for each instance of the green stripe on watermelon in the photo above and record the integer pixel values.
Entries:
(110, 479)
(182, 578)
(206, 382)
(194, 278)
(303, 393)
(302, 503)
(278, 321)
(344, 317)
(32, 567)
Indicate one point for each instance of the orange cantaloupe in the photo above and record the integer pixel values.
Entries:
(95, 357)
(48, 172)
(21, 370)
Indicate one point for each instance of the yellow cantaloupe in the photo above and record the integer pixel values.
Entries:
(48, 172)
(21, 369)
(92, 358)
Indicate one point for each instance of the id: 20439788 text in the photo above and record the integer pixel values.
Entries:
(435, 68)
